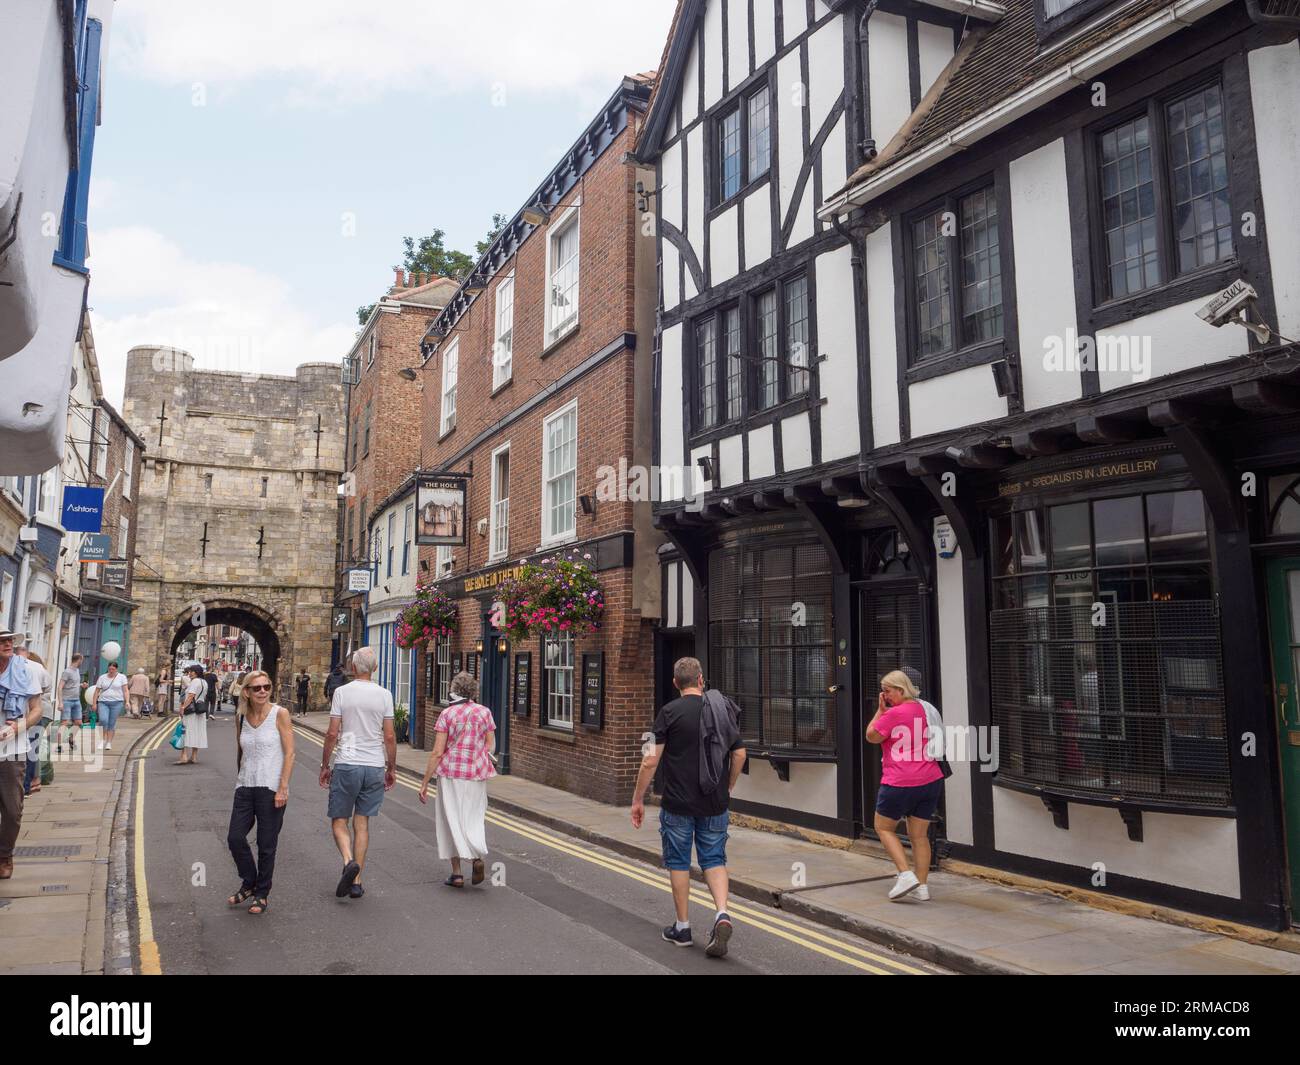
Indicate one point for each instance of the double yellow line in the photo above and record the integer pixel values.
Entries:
(150, 963)
(810, 939)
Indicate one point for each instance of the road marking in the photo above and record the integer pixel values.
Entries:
(810, 939)
(150, 963)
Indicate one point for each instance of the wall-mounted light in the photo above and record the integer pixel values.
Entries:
(536, 214)
(409, 373)
(501, 645)
(475, 283)
(588, 504)
(478, 647)
(1003, 379)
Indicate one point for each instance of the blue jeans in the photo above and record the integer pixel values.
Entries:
(108, 715)
(32, 770)
(709, 834)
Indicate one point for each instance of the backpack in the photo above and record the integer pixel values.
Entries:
(719, 730)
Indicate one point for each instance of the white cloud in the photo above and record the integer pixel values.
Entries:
(344, 50)
(228, 316)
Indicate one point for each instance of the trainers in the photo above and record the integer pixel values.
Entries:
(922, 893)
(678, 937)
(906, 883)
(719, 937)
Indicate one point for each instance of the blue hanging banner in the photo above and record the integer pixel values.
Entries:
(83, 509)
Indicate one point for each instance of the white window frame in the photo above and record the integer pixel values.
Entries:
(124, 536)
(392, 539)
(450, 377)
(6, 600)
(402, 670)
(549, 477)
(559, 702)
(47, 491)
(370, 351)
(408, 524)
(443, 561)
(442, 663)
(503, 342)
(499, 509)
(127, 465)
(561, 227)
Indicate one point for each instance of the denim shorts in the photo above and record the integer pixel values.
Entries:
(920, 801)
(356, 789)
(108, 714)
(709, 834)
(72, 710)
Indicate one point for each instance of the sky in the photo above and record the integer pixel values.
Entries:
(259, 161)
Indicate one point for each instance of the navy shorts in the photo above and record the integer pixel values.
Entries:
(709, 835)
(921, 801)
(356, 789)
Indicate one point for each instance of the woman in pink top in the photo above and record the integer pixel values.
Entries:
(462, 759)
(911, 782)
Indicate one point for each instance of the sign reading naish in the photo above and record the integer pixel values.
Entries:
(1102, 471)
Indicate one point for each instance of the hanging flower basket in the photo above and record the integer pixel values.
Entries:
(432, 614)
(557, 594)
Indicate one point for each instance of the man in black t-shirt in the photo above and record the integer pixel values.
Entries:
(210, 678)
(303, 681)
(687, 813)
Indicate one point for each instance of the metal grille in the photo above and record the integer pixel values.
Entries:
(1132, 708)
(770, 642)
(892, 623)
(61, 850)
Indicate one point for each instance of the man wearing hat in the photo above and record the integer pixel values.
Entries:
(20, 710)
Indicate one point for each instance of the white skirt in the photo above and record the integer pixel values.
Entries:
(196, 730)
(462, 818)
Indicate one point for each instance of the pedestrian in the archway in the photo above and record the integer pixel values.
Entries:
(139, 691)
(362, 714)
(911, 781)
(163, 691)
(303, 684)
(110, 697)
(264, 753)
(194, 716)
(210, 678)
(462, 760)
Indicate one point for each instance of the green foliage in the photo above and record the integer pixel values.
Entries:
(433, 613)
(559, 594)
(498, 221)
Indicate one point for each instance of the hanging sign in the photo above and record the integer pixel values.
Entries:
(96, 547)
(83, 509)
(358, 580)
(945, 540)
(440, 510)
(115, 574)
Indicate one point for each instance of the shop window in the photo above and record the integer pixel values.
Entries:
(770, 642)
(1105, 654)
(557, 657)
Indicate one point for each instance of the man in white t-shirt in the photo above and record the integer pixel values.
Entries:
(20, 709)
(361, 726)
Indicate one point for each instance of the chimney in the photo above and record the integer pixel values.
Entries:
(401, 277)
(424, 278)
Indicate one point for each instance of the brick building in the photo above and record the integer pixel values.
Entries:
(382, 406)
(535, 384)
(106, 600)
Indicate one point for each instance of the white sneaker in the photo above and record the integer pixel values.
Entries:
(108, 746)
(922, 893)
(906, 883)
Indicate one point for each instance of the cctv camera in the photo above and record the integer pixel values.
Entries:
(1226, 304)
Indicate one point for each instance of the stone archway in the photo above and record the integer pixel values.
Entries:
(268, 628)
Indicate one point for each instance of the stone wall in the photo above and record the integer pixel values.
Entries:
(238, 502)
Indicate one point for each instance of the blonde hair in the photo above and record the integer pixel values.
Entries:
(245, 704)
(896, 678)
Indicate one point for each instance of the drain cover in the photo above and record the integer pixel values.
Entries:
(53, 889)
(62, 850)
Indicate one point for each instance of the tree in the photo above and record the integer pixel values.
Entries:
(498, 223)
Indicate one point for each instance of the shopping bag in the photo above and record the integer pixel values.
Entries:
(178, 736)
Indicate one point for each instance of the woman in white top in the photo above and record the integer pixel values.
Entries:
(194, 716)
(109, 696)
(265, 757)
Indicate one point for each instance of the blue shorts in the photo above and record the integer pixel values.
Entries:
(921, 801)
(356, 789)
(709, 833)
(72, 710)
(108, 714)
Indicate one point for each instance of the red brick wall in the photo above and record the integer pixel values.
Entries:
(601, 764)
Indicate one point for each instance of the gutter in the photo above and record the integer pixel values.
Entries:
(1072, 75)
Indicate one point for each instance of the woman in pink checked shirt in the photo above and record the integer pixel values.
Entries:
(463, 761)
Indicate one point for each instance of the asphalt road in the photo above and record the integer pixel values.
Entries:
(558, 904)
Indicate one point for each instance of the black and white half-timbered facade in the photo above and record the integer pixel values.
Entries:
(939, 340)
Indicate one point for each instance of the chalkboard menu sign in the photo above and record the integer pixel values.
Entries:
(593, 689)
(523, 683)
(471, 664)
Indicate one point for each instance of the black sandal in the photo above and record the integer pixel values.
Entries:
(260, 906)
(240, 897)
(477, 878)
(455, 880)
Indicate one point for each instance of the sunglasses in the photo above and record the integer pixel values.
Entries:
(259, 687)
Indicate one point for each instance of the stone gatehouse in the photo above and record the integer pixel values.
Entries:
(238, 507)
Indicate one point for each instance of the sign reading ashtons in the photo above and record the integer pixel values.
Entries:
(83, 509)
(358, 580)
(96, 548)
(440, 510)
